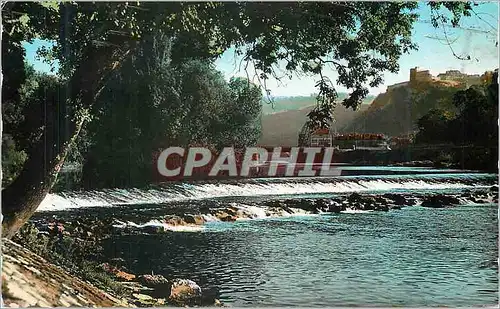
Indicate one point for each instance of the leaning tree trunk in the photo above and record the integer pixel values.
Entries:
(21, 199)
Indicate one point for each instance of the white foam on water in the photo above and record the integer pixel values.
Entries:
(113, 197)
(250, 212)
(210, 218)
(247, 212)
(355, 211)
(184, 228)
(57, 202)
(488, 200)
(157, 223)
(297, 212)
(254, 212)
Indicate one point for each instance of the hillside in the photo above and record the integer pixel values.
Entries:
(396, 112)
(282, 104)
(282, 128)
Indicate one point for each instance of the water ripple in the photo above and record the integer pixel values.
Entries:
(404, 258)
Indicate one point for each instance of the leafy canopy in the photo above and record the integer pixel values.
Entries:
(360, 40)
(151, 102)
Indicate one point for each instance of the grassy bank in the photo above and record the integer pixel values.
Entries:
(75, 247)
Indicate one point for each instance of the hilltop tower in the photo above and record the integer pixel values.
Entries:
(413, 75)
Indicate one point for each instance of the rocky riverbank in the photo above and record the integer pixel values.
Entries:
(65, 253)
(355, 202)
(61, 266)
(30, 280)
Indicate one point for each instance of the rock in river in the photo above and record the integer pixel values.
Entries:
(440, 201)
(185, 292)
(224, 216)
(398, 199)
(194, 219)
(152, 281)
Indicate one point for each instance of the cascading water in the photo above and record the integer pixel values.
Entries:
(172, 192)
(302, 249)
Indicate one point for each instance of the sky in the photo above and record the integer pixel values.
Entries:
(476, 37)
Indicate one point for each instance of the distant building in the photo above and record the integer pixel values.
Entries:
(416, 75)
(466, 79)
(453, 77)
(402, 140)
(419, 76)
(360, 141)
(321, 138)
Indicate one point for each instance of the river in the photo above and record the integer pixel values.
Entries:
(415, 256)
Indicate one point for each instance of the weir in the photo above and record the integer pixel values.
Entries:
(174, 192)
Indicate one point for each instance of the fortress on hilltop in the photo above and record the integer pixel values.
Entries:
(450, 78)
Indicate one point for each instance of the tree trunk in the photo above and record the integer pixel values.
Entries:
(21, 199)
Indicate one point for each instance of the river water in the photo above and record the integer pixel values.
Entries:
(415, 256)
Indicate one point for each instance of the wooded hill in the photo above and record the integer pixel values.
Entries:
(396, 112)
(281, 125)
(392, 113)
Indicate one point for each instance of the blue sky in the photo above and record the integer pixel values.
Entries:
(433, 53)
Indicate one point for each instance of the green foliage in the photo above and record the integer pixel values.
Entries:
(397, 112)
(359, 40)
(153, 103)
(475, 123)
(61, 249)
(35, 109)
(240, 124)
(14, 76)
(474, 126)
(78, 256)
(68, 180)
(432, 97)
(43, 112)
(433, 127)
(12, 160)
